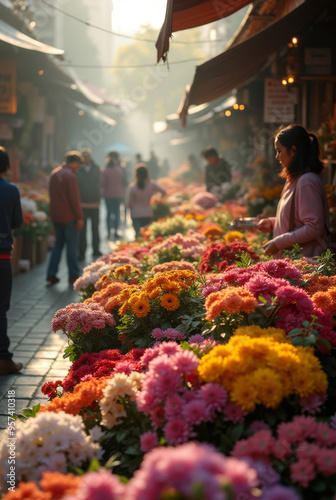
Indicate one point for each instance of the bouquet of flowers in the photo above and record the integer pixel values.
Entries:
(88, 327)
(218, 256)
(171, 299)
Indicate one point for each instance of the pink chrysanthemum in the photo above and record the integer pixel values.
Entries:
(157, 334)
(302, 472)
(196, 412)
(177, 431)
(174, 405)
(234, 413)
(185, 361)
(148, 441)
(214, 395)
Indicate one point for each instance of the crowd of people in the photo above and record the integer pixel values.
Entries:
(76, 188)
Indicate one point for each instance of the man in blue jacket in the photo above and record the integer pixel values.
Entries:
(10, 218)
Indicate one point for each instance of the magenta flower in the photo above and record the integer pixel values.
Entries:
(185, 361)
(196, 412)
(177, 431)
(214, 395)
(148, 441)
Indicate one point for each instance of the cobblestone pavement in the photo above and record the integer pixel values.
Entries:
(33, 305)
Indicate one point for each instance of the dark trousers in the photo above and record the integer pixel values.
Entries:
(5, 294)
(93, 214)
(66, 234)
(112, 214)
(139, 222)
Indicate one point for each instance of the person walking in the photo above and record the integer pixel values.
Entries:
(88, 177)
(138, 197)
(217, 170)
(10, 218)
(302, 215)
(112, 183)
(66, 215)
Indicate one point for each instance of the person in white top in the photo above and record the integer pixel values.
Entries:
(138, 197)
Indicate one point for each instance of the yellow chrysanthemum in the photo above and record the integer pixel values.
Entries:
(320, 381)
(210, 369)
(303, 384)
(255, 331)
(232, 236)
(219, 350)
(234, 364)
(269, 387)
(244, 393)
(141, 308)
(282, 360)
(170, 302)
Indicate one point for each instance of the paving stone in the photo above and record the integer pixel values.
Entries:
(60, 374)
(28, 380)
(45, 354)
(24, 391)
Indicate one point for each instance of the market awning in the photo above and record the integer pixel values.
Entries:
(83, 88)
(186, 14)
(95, 114)
(12, 36)
(235, 66)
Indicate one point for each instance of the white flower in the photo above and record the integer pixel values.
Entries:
(49, 441)
(28, 205)
(40, 216)
(96, 433)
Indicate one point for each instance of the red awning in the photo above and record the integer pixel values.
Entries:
(186, 14)
(236, 65)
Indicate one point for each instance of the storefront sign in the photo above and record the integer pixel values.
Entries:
(317, 61)
(8, 102)
(279, 102)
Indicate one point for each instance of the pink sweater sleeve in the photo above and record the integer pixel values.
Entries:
(309, 216)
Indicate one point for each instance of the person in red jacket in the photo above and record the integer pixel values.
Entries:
(66, 215)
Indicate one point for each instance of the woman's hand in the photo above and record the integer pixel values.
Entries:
(270, 248)
(265, 225)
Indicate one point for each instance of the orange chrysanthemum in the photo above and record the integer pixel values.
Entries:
(141, 307)
(85, 394)
(59, 485)
(169, 302)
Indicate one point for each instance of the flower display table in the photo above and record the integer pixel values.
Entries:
(29, 251)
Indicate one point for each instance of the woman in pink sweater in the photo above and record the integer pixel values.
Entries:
(138, 197)
(299, 155)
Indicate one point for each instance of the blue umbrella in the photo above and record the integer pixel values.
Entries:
(118, 146)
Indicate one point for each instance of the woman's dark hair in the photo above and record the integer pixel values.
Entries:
(109, 162)
(307, 157)
(141, 175)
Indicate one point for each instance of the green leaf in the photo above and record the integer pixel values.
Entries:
(306, 324)
(237, 432)
(94, 465)
(297, 341)
(295, 332)
(325, 342)
(112, 462)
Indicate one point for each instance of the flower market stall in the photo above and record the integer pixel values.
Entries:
(200, 370)
(31, 240)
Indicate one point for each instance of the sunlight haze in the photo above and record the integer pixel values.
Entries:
(129, 15)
